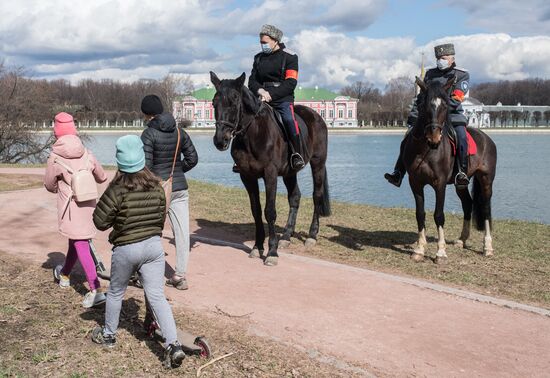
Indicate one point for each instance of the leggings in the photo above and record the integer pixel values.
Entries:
(80, 249)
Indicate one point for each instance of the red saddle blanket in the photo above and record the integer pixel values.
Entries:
(472, 146)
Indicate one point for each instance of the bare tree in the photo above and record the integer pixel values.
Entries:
(23, 103)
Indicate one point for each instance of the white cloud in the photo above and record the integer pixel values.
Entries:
(132, 39)
(335, 59)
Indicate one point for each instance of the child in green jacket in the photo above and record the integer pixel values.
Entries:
(134, 206)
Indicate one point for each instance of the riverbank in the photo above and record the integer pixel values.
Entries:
(305, 317)
(382, 238)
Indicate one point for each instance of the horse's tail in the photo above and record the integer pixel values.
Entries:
(482, 207)
(325, 211)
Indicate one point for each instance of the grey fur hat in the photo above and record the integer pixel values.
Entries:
(272, 31)
(442, 50)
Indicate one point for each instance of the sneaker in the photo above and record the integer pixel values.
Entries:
(179, 283)
(394, 178)
(62, 279)
(99, 337)
(93, 298)
(173, 356)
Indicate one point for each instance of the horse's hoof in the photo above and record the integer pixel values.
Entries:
(284, 243)
(271, 260)
(488, 252)
(255, 253)
(417, 257)
(310, 242)
(440, 260)
(460, 243)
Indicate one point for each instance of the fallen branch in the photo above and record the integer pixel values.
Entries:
(199, 370)
(222, 312)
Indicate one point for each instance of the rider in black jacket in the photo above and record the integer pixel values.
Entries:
(274, 77)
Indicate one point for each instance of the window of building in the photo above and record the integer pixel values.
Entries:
(188, 114)
(207, 114)
(350, 113)
(331, 113)
(199, 113)
(323, 113)
(340, 113)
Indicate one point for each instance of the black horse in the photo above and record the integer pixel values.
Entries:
(429, 160)
(260, 150)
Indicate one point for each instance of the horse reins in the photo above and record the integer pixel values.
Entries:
(235, 130)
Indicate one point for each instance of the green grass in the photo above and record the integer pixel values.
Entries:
(19, 181)
(381, 239)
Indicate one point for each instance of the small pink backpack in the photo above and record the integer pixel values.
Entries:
(83, 184)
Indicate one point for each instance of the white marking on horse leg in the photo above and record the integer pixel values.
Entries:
(441, 243)
(488, 240)
(421, 243)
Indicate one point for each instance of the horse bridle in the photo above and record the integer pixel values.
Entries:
(235, 131)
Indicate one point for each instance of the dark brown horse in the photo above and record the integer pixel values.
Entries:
(429, 160)
(259, 149)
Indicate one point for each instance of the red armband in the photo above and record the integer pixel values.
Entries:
(291, 74)
(458, 95)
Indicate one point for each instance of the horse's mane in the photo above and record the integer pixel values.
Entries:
(251, 103)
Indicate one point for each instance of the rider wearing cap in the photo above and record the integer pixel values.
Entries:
(446, 68)
(274, 77)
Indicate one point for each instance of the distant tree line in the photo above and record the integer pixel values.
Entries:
(26, 103)
(391, 105)
(382, 108)
(525, 92)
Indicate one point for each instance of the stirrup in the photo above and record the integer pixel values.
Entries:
(463, 180)
(299, 161)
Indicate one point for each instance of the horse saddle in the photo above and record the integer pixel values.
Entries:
(303, 132)
(472, 146)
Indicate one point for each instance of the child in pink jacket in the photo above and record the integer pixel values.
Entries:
(75, 219)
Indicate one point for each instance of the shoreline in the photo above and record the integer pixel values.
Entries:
(335, 131)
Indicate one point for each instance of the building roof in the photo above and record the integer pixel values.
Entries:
(301, 94)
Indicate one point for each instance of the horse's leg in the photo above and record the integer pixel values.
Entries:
(251, 185)
(467, 204)
(270, 180)
(318, 173)
(439, 218)
(418, 192)
(486, 194)
(294, 195)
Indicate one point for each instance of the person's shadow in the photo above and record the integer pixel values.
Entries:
(129, 320)
(78, 277)
(357, 240)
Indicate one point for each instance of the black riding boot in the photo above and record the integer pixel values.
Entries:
(399, 170)
(461, 178)
(296, 159)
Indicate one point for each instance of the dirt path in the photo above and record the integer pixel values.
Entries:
(347, 316)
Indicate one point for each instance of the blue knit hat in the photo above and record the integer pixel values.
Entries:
(130, 157)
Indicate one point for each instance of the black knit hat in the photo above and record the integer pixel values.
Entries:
(151, 105)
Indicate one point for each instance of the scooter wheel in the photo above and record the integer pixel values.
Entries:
(202, 343)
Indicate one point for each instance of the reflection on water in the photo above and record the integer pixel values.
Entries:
(357, 163)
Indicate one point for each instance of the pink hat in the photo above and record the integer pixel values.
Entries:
(64, 125)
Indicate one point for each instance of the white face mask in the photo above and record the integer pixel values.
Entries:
(442, 64)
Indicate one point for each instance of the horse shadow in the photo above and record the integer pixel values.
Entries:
(129, 320)
(357, 240)
(209, 232)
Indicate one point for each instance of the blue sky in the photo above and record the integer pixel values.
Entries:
(338, 42)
